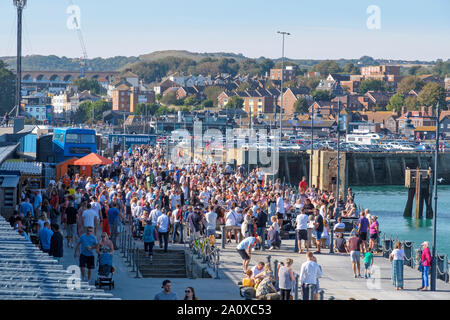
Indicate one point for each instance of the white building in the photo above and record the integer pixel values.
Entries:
(61, 103)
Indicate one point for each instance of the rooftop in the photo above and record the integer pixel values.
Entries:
(27, 273)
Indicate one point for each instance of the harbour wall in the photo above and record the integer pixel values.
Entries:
(366, 168)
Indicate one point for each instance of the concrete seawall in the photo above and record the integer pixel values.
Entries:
(367, 169)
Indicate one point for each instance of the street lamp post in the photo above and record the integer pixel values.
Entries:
(338, 177)
(312, 149)
(283, 33)
(436, 156)
(20, 4)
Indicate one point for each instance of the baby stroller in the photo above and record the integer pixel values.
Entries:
(105, 271)
(138, 230)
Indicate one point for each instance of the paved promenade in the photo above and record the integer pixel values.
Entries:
(337, 279)
(128, 287)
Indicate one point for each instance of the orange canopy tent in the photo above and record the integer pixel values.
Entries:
(92, 159)
(63, 167)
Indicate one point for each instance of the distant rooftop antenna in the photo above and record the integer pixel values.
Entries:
(20, 4)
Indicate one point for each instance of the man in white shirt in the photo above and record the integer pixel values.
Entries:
(258, 271)
(162, 225)
(155, 213)
(231, 221)
(89, 218)
(338, 225)
(310, 273)
(301, 230)
(96, 207)
(211, 220)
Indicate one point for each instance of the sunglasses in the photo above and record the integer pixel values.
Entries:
(187, 291)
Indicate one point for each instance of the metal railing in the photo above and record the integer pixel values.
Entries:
(207, 251)
(413, 255)
(129, 249)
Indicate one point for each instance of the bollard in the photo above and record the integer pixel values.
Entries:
(311, 289)
(121, 241)
(331, 237)
(275, 272)
(296, 287)
(408, 250)
(222, 227)
(296, 248)
(129, 250)
(133, 257)
(263, 242)
(123, 246)
(321, 294)
(446, 271)
(137, 263)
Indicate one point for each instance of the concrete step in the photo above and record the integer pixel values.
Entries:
(164, 265)
(163, 275)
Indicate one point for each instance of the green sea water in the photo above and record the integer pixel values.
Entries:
(388, 203)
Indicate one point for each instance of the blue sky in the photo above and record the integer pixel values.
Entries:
(410, 29)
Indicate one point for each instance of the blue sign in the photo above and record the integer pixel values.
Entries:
(132, 139)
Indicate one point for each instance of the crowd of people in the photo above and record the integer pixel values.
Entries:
(158, 199)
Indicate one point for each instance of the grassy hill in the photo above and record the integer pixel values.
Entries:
(157, 55)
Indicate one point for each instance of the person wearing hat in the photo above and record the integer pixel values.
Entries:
(244, 248)
(266, 289)
(425, 259)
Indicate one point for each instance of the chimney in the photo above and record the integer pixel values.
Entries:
(403, 110)
(430, 111)
(423, 110)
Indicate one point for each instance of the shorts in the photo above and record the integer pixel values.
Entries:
(279, 216)
(355, 256)
(210, 232)
(128, 210)
(302, 234)
(71, 230)
(363, 236)
(374, 236)
(87, 261)
(366, 266)
(243, 254)
(318, 235)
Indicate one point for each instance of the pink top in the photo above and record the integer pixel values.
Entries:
(372, 229)
(426, 258)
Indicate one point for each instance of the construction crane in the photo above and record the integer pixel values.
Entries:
(84, 56)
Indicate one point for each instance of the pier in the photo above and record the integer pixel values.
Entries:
(337, 277)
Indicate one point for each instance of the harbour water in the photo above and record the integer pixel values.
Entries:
(388, 203)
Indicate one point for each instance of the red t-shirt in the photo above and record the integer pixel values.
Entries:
(303, 185)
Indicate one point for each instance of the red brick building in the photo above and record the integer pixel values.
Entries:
(121, 98)
(289, 73)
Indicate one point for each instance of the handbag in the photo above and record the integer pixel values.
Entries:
(420, 267)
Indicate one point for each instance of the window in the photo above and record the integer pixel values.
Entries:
(87, 138)
(72, 138)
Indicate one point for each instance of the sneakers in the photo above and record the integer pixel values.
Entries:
(271, 248)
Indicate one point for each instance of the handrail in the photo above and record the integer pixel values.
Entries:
(207, 251)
